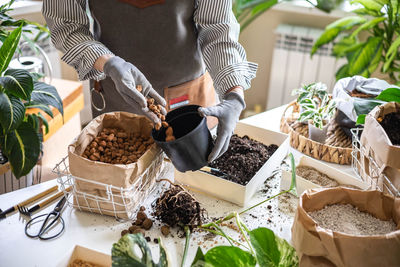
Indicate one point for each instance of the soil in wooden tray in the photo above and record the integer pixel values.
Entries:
(347, 219)
(177, 207)
(391, 124)
(315, 176)
(243, 159)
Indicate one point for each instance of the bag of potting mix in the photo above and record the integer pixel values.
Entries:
(320, 246)
(378, 145)
(351, 92)
(96, 197)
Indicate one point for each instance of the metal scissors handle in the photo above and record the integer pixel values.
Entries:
(47, 224)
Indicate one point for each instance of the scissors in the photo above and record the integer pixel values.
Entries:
(48, 222)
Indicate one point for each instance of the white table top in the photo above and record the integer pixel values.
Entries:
(100, 232)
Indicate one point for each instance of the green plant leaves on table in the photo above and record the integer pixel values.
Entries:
(18, 83)
(272, 250)
(224, 256)
(366, 58)
(12, 112)
(124, 254)
(8, 48)
(389, 95)
(391, 54)
(47, 95)
(22, 147)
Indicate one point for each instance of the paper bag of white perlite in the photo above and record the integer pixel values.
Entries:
(94, 192)
(317, 246)
(378, 145)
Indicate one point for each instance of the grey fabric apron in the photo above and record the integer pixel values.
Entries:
(160, 40)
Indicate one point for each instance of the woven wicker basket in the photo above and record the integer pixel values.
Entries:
(337, 148)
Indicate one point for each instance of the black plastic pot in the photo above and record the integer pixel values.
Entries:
(193, 143)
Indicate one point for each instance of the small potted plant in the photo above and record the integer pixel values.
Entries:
(318, 113)
(315, 91)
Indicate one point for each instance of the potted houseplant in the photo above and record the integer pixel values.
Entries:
(317, 113)
(312, 91)
(381, 21)
(20, 132)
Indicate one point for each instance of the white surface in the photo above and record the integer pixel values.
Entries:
(100, 232)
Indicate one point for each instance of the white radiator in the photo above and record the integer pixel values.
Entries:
(292, 65)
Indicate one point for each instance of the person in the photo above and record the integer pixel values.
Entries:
(181, 52)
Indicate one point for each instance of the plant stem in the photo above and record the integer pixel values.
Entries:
(218, 233)
(240, 224)
(262, 202)
(222, 233)
(187, 232)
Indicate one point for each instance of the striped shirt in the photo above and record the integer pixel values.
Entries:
(218, 33)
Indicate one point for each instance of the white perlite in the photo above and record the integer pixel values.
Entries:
(347, 219)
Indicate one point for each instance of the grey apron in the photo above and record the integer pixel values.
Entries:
(160, 40)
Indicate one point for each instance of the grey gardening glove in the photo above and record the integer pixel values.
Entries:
(125, 77)
(228, 113)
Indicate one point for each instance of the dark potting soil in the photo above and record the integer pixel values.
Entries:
(391, 124)
(177, 207)
(356, 93)
(243, 159)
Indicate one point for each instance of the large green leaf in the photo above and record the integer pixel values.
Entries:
(22, 148)
(263, 6)
(342, 72)
(368, 12)
(367, 25)
(375, 5)
(346, 23)
(395, 7)
(18, 83)
(12, 111)
(391, 53)
(390, 95)
(226, 256)
(199, 259)
(45, 108)
(8, 48)
(47, 95)
(272, 250)
(363, 57)
(365, 105)
(346, 45)
(123, 253)
(327, 36)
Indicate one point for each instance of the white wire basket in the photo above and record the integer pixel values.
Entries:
(120, 202)
(365, 166)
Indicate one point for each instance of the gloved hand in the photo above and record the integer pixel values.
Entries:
(125, 77)
(228, 113)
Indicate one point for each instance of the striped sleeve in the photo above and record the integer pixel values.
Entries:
(224, 56)
(70, 33)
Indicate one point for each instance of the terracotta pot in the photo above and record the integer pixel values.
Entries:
(316, 134)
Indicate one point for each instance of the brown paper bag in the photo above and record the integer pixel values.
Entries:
(378, 145)
(112, 189)
(317, 246)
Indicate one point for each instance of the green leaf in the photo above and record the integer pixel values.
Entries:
(45, 108)
(33, 119)
(272, 250)
(12, 112)
(45, 123)
(342, 72)
(361, 119)
(391, 53)
(327, 36)
(345, 46)
(18, 83)
(8, 48)
(367, 12)
(367, 25)
(370, 4)
(363, 57)
(123, 253)
(346, 23)
(47, 95)
(390, 95)
(22, 148)
(199, 259)
(228, 256)
(263, 6)
(365, 105)
(395, 7)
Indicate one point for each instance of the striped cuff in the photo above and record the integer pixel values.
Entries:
(239, 74)
(83, 56)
